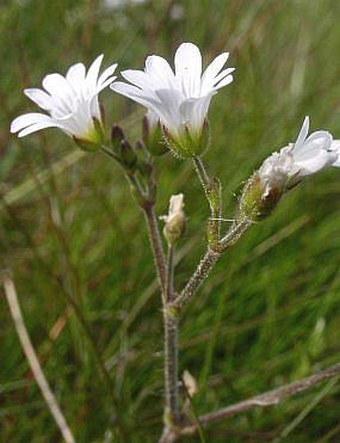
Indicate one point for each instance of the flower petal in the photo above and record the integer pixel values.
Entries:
(76, 74)
(105, 76)
(160, 71)
(136, 77)
(61, 91)
(188, 68)
(315, 163)
(92, 74)
(224, 82)
(194, 111)
(169, 110)
(25, 120)
(303, 133)
(212, 71)
(335, 149)
(37, 127)
(40, 97)
(136, 94)
(318, 141)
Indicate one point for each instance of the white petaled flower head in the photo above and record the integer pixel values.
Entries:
(308, 155)
(180, 99)
(175, 220)
(283, 170)
(71, 103)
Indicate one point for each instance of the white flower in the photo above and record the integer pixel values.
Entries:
(179, 99)
(283, 170)
(71, 101)
(306, 156)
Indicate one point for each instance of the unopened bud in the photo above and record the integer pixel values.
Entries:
(152, 136)
(128, 155)
(117, 136)
(175, 220)
(190, 383)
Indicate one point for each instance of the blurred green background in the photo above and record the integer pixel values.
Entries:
(270, 312)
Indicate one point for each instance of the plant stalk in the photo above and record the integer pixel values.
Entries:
(207, 263)
(156, 246)
(213, 192)
(269, 398)
(171, 415)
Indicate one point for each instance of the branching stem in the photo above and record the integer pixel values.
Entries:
(207, 263)
(266, 399)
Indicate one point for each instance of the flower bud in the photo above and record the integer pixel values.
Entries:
(127, 155)
(117, 136)
(152, 136)
(190, 383)
(175, 220)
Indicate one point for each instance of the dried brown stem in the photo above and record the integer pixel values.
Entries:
(32, 359)
(272, 397)
(269, 398)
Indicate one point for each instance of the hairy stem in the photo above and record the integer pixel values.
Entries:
(213, 192)
(201, 172)
(171, 416)
(200, 274)
(146, 203)
(156, 245)
(207, 263)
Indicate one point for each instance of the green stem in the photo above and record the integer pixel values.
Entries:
(110, 153)
(201, 172)
(146, 203)
(206, 264)
(213, 192)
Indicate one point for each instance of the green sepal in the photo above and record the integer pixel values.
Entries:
(255, 204)
(188, 145)
(153, 138)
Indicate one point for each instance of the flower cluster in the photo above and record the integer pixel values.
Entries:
(177, 103)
